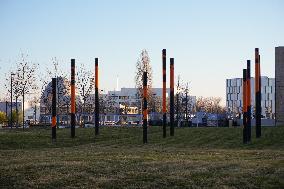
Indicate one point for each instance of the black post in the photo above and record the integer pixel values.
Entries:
(257, 94)
(145, 110)
(73, 106)
(97, 108)
(164, 94)
(53, 123)
(35, 114)
(172, 109)
(248, 102)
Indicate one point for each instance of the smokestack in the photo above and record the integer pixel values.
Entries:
(97, 108)
(73, 106)
(172, 129)
(164, 56)
(145, 108)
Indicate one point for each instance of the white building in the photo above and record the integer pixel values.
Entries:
(234, 96)
(129, 97)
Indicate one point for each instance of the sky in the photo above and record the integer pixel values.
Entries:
(210, 40)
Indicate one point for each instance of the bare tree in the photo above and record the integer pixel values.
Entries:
(209, 104)
(143, 65)
(15, 88)
(85, 86)
(25, 79)
(62, 88)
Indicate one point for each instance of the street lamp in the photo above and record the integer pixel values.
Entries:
(12, 74)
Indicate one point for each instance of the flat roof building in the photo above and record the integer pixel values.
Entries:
(234, 96)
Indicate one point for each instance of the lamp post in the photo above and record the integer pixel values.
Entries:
(12, 75)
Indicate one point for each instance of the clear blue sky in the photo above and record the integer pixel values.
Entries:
(210, 40)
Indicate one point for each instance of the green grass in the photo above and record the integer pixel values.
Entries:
(193, 158)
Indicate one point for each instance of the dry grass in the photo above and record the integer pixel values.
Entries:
(194, 158)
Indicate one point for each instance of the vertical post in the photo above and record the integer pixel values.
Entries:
(186, 104)
(97, 108)
(73, 105)
(248, 103)
(6, 109)
(23, 100)
(244, 106)
(145, 108)
(257, 94)
(177, 96)
(172, 113)
(164, 95)
(35, 114)
(11, 123)
(53, 121)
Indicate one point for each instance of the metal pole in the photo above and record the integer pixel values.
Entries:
(164, 94)
(248, 102)
(177, 110)
(83, 109)
(186, 104)
(257, 94)
(73, 105)
(145, 108)
(97, 108)
(6, 109)
(53, 122)
(24, 99)
(244, 106)
(11, 123)
(172, 109)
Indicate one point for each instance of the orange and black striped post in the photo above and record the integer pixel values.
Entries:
(164, 56)
(257, 94)
(172, 109)
(248, 102)
(73, 119)
(244, 106)
(145, 108)
(97, 106)
(53, 120)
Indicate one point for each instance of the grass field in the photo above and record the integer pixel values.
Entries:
(193, 158)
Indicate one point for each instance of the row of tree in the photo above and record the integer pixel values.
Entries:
(25, 80)
(184, 103)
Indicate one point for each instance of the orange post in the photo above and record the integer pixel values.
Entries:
(97, 108)
(244, 106)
